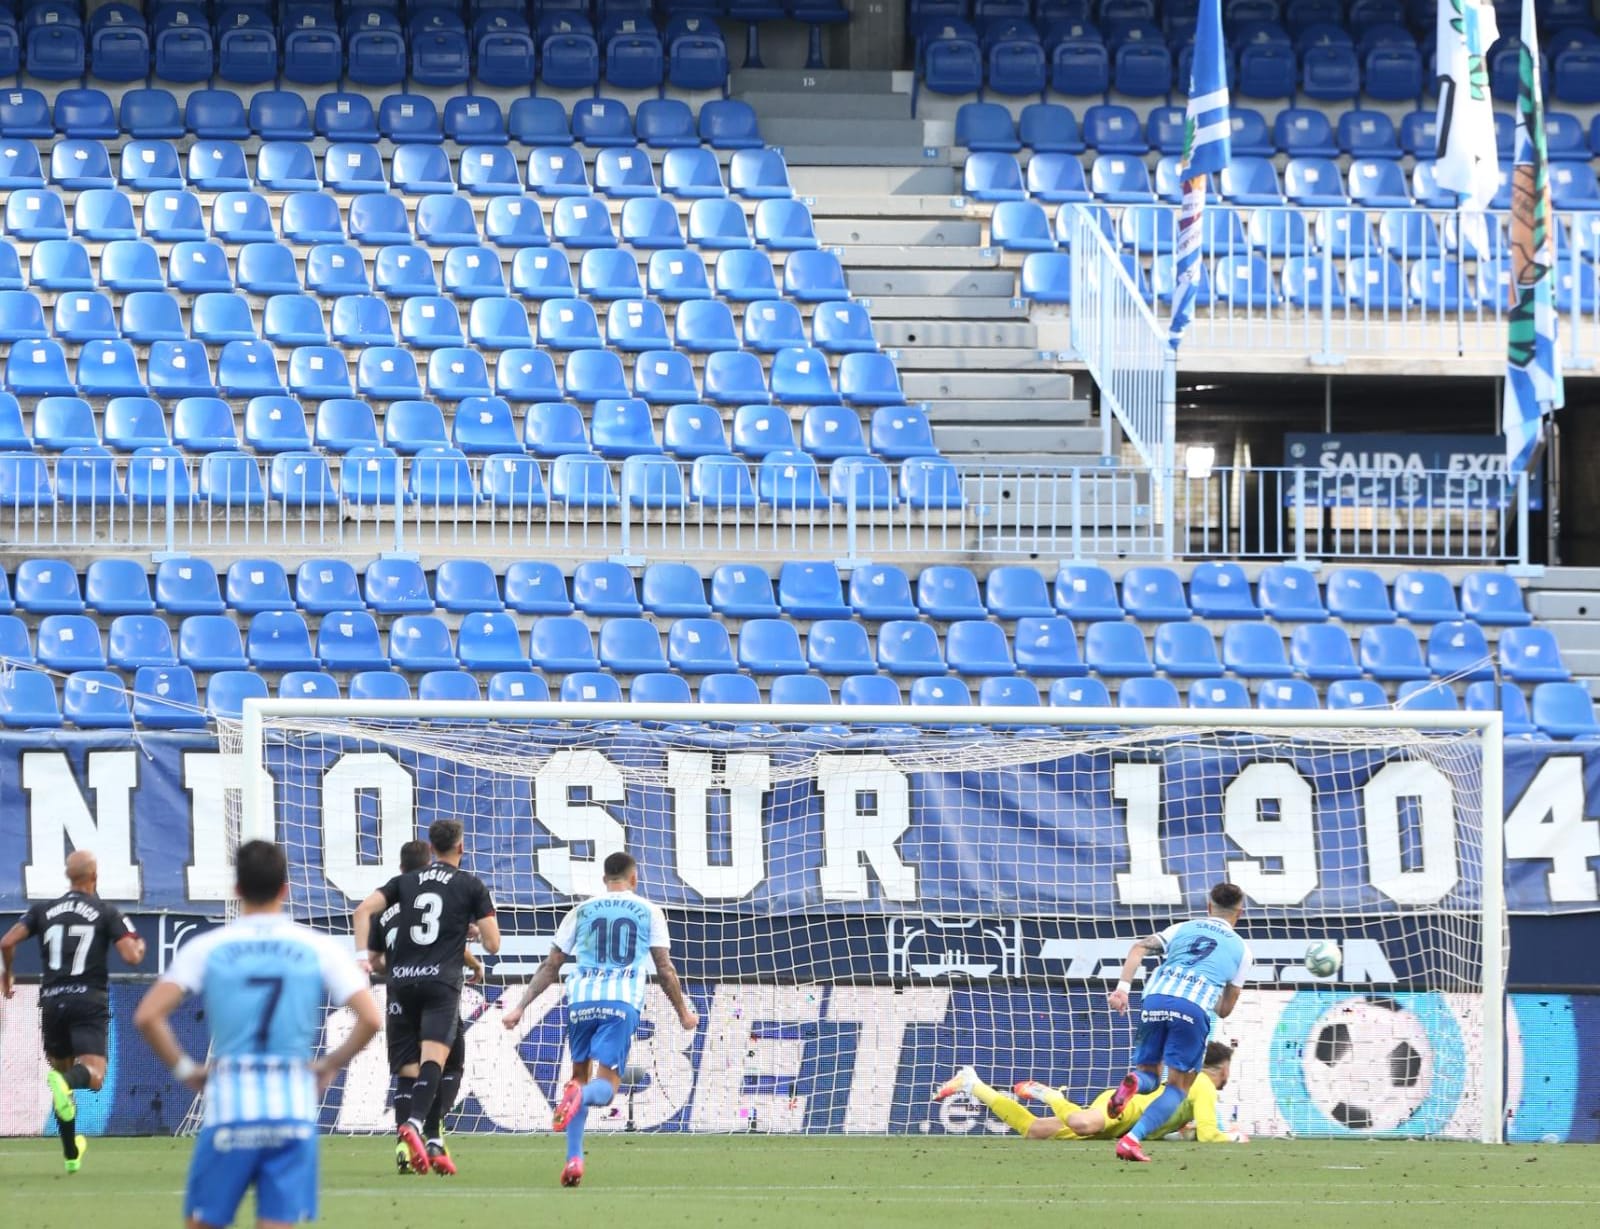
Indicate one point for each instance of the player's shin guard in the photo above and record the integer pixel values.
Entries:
(423, 1092)
(449, 1089)
(1015, 1115)
(402, 1099)
(1157, 1112)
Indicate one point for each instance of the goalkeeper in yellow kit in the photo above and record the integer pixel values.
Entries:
(1068, 1120)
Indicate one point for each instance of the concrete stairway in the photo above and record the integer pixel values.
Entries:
(1567, 601)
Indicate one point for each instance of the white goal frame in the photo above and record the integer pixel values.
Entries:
(258, 822)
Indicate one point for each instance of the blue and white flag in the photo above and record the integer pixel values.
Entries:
(1467, 158)
(1533, 365)
(1206, 140)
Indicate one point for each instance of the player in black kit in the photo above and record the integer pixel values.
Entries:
(437, 907)
(76, 933)
(415, 856)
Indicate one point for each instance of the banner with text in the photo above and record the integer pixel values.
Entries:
(1115, 833)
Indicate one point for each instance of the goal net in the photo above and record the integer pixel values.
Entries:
(862, 901)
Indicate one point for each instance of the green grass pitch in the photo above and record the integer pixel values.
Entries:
(765, 1182)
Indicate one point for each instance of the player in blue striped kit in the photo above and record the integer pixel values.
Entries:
(1203, 965)
(265, 982)
(614, 939)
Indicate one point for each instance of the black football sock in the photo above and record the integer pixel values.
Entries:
(78, 1076)
(402, 1099)
(69, 1138)
(449, 1089)
(423, 1093)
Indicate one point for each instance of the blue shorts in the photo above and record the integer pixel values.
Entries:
(278, 1159)
(1171, 1031)
(602, 1032)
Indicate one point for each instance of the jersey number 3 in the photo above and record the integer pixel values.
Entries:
(426, 929)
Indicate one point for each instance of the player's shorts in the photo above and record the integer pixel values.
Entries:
(73, 1024)
(278, 1159)
(602, 1032)
(1171, 1031)
(420, 1011)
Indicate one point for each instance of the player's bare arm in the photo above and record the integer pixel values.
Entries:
(8, 952)
(131, 948)
(153, 1020)
(489, 934)
(369, 1020)
(1229, 999)
(667, 976)
(361, 925)
(1153, 945)
(543, 979)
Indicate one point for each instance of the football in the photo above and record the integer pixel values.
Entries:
(1322, 958)
(1369, 1063)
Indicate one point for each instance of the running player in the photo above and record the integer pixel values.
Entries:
(75, 933)
(1068, 1120)
(438, 905)
(415, 856)
(1203, 966)
(604, 994)
(265, 981)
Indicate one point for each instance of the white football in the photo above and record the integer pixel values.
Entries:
(1323, 958)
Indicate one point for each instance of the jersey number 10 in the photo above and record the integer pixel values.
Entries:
(616, 943)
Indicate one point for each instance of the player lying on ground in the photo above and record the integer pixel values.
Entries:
(1068, 1120)
(265, 981)
(604, 996)
(415, 856)
(75, 933)
(1203, 966)
(437, 906)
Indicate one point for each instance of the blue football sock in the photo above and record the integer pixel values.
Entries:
(1147, 1081)
(575, 1133)
(597, 1092)
(1157, 1112)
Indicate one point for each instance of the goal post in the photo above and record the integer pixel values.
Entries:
(863, 898)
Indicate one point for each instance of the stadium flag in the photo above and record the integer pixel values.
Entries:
(1533, 365)
(1206, 140)
(1468, 163)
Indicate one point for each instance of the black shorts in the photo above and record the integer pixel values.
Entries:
(73, 1024)
(420, 1011)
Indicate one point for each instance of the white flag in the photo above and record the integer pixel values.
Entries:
(1468, 162)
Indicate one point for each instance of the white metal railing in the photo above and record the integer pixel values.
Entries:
(651, 512)
(1336, 283)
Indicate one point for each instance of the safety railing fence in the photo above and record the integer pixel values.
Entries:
(659, 508)
(1335, 282)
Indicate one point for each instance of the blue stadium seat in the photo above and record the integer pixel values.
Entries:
(621, 427)
(1139, 692)
(323, 586)
(1186, 650)
(483, 426)
(219, 318)
(1219, 693)
(661, 123)
(718, 224)
(28, 701)
(396, 586)
(25, 113)
(1086, 593)
(54, 52)
(346, 640)
(1250, 181)
(60, 264)
(1121, 181)
(1305, 133)
(36, 215)
(254, 585)
(20, 166)
(1357, 595)
(1425, 597)
(582, 482)
(830, 432)
(1564, 710)
(1279, 694)
(387, 373)
(344, 423)
(1457, 650)
(22, 316)
(403, 270)
(814, 277)
(1254, 651)
(581, 222)
(89, 115)
(421, 642)
(1389, 653)
(940, 691)
(361, 320)
(1330, 74)
(377, 219)
(881, 591)
(693, 430)
(562, 644)
(189, 586)
(554, 428)
(110, 587)
(839, 647)
(77, 165)
(457, 372)
(1290, 594)
(842, 328)
(1020, 226)
(1080, 68)
(977, 647)
(93, 700)
(1493, 599)
(948, 592)
(635, 325)
(800, 377)
(137, 640)
(473, 120)
(1322, 651)
(1116, 650)
(1221, 591)
(448, 685)
(47, 586)
(1488, 696)
(311, 217)
(1527, 655)
(1267, 70)
(910, 648)
(735, 377)
(109, 369)
(24, 481)
(759, 174)
(812, 591)
(931, 483)
(1017, 592)
(69, 642)
(412, 425)
(986, 126)
(1153, 593)
(991, 176)
(38, 369)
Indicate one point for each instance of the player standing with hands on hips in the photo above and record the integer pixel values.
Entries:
(1203, 965)
(614, 938)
